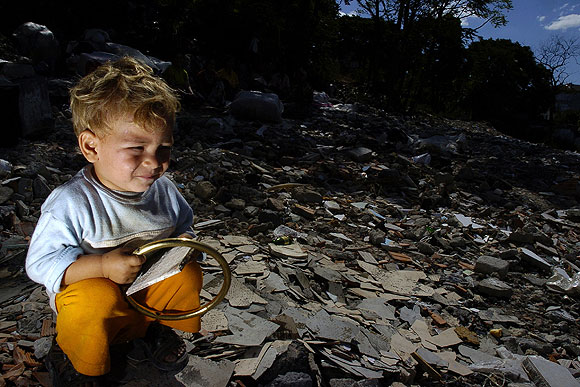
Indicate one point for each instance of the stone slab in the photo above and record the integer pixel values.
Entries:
(545, 373)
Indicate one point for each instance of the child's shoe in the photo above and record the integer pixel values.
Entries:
(63, 374)
(163, 347)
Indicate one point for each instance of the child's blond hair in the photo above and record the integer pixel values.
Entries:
(125, 86)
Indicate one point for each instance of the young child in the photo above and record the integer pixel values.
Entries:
(123, 117)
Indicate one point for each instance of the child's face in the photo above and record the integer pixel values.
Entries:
(130, 158)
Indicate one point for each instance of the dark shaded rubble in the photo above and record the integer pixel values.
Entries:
(423, 252)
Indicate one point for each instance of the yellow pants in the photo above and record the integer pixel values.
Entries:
(93, 313)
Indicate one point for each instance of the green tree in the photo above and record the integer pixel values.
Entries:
(505, 85)
(490, 11)
(437, 54)
(229, 27)
(416, 47)
(406, 12)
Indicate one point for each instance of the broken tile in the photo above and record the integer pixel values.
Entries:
(251, 267)
(272, 283)
(200, 371)
(247, 329)
(454, 366)
(432, 358)
(447, 338)
(402, 346)
(535, 260)
(368, 257)
(422, 330)
(236, 240)
(378, 307)
(336, 328)
(546, 373)
(290, 251)
(410, 315)
(405, 282)
(239, 295)
(475, 355)
(214, 320)
(496, 315)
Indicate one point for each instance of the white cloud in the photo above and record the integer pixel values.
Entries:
(565, 22)
(471, 21)
(541, 18)
(351, 13)
(565, 8)
(562, 8)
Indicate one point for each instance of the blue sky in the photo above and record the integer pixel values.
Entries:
(533, 22)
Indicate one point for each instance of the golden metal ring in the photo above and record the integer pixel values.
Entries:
(174, 242)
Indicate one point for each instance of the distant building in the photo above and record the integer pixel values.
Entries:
(568, 98)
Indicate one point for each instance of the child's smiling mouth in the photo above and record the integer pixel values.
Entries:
(149, 177)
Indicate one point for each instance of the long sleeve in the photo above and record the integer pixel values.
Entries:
(54, 246)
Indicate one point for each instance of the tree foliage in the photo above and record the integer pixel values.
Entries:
(406, 12)
(438, 55)
(429, 66)
(504, 84)
(555, 54)
(492, 11)
(408, 55)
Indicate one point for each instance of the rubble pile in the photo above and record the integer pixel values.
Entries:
(366, 249)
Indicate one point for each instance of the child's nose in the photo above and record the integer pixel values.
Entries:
(151, 160)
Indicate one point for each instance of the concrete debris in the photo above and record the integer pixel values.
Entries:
(204, 372)
(354, 261)
(495, 288)
(487, 265)
(547, 373)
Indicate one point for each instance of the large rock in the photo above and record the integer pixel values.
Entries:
(292, 379)
(25, 100)
(87, 62)
(495, 288)
(16, 71)
(38, 43)
(303, 195)
(205, 190)
(361, 154)
(9, 97)
(549, 374)
(487, 265)
(534, 259)
(34, 107)
(255, 105)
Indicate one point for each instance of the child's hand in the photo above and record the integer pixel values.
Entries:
(120, 266)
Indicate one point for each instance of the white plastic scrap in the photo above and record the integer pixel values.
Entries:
(560, 281)
(509, 365)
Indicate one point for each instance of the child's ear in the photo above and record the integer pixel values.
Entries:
(88, 144)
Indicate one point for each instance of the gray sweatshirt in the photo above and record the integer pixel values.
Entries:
(83, 216)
